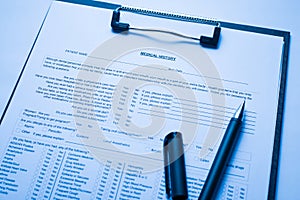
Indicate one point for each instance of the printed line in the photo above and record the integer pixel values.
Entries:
(120, 181)
(127, 63)
(182, 120)
(198, 119)
(251, 129)
(249, 116)
(164, 117)
(225, 116)
(225, 80)
(248, 124)
(198, 75)
(198, 111)
(248, 120)
(196, 114)
(205, 169)
(226, 107)
(205, 108)
(57, 174)
(121, 152)
(201, 168)
(246, 132)
(198, 102)
(240, 176)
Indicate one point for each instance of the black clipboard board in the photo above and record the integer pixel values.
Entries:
(285, 35)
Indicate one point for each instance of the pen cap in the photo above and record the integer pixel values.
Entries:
(175, 174)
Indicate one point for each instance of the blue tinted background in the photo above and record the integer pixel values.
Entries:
(21, 20)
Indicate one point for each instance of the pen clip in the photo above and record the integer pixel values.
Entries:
(174, 165)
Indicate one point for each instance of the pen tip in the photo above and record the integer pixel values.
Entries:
(240, 111)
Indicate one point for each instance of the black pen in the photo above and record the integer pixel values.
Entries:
(175, 174)
(223, 155)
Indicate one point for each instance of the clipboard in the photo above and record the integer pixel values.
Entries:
(210, 42)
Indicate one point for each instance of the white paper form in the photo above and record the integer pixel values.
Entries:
(92, 108)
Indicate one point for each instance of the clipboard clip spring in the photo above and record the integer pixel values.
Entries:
(205, 41)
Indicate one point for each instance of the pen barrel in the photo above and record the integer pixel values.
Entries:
(221, 159)
(175, 165)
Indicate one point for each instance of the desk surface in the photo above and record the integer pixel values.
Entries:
(20, 22)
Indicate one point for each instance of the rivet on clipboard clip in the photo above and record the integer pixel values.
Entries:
(205, 41)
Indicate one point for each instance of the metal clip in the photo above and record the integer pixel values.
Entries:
(211, 42)
(116, 25)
